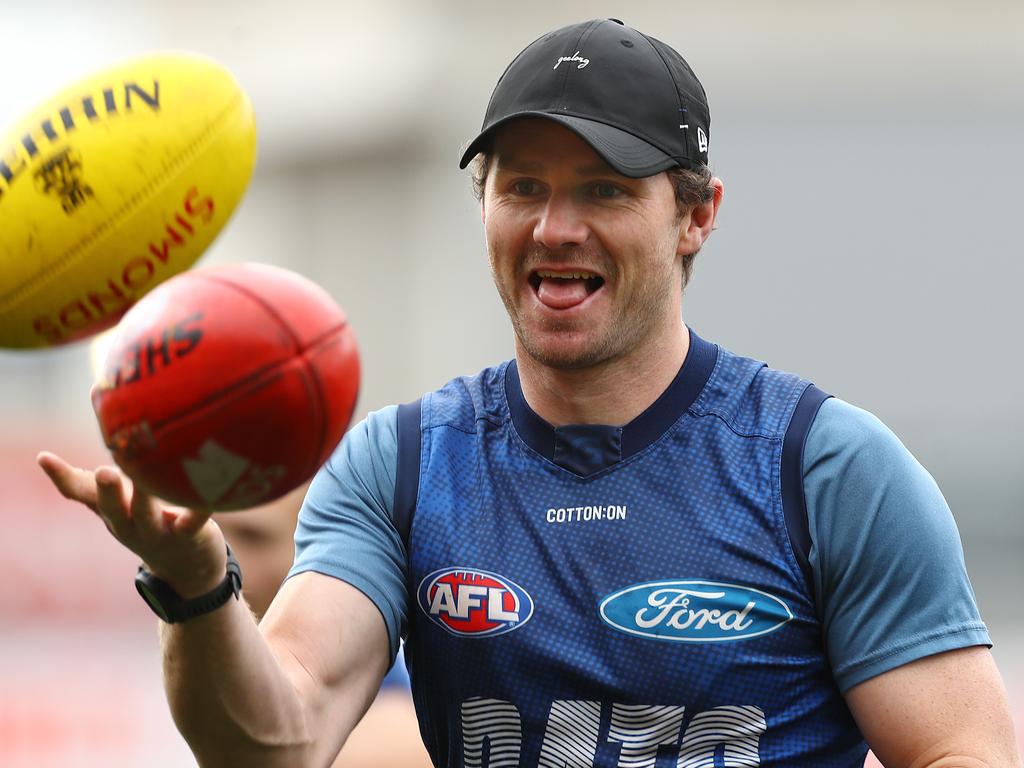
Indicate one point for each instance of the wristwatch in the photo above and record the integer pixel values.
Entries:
(172, 608)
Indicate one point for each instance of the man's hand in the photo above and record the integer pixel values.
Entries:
(183, 547)
(288, 696)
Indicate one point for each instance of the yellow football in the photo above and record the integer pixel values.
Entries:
(112, 186)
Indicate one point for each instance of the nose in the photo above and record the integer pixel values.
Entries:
(561, 224)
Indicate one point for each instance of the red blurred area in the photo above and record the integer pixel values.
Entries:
(79, 660)
(57, 561)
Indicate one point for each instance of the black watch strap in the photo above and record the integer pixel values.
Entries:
(172, 608)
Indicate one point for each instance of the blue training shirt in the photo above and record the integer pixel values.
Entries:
(886, 553)
(872, 512)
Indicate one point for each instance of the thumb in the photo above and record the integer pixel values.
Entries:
(188, 522)
(143, 508)
(177, 520)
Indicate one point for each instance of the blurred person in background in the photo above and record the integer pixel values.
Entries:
(627, 543)
(263, 540)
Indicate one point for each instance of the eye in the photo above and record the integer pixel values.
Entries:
(525, 187)
(606, 190)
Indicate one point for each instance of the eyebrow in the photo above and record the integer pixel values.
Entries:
(518, 165)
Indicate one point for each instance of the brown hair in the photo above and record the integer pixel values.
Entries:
(692, 188)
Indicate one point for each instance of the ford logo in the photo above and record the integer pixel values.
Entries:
(694, 611)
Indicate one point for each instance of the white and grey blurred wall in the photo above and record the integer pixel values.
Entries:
(873, 157)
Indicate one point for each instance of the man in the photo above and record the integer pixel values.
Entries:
(625, 547)
(261, 539)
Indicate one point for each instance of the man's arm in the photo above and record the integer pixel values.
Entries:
(949, 709)
(284, 696)
(903, 634)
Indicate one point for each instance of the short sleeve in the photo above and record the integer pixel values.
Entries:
(885, 551)
(345, 529)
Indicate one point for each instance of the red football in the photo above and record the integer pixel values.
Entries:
(229, 386)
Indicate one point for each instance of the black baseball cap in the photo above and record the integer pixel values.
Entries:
(631, 97)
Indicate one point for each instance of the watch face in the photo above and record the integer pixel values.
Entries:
(151, 599)
(171, 608)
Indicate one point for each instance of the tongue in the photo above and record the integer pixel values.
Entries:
(558, 293)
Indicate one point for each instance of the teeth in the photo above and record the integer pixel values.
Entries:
(566, 275)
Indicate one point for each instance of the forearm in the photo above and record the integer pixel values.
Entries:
(229, 695)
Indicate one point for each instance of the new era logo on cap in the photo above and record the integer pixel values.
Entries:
(627, 105)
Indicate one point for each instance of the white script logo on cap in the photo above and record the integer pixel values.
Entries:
(574, 57)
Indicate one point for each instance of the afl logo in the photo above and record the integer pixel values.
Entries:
(473, 603)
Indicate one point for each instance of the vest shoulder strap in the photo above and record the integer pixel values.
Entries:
(407, 469)
(794, 505)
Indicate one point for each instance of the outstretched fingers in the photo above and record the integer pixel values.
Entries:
(73, 483)
(182, 546)
(113, 502)
(129, 514)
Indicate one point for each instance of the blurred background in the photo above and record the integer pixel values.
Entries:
(873, 160)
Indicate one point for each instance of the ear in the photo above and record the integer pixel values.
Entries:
(700, 221)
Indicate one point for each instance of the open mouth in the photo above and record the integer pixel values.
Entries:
(563, 290)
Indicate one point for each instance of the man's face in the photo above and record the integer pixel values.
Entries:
(584, 259)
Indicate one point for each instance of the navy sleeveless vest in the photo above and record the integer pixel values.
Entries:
(617, 596)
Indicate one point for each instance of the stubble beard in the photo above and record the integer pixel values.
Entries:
(627, 328)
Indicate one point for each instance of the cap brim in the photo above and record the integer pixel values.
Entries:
(627, 154)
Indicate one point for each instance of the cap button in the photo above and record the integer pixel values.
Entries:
(618, 21)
